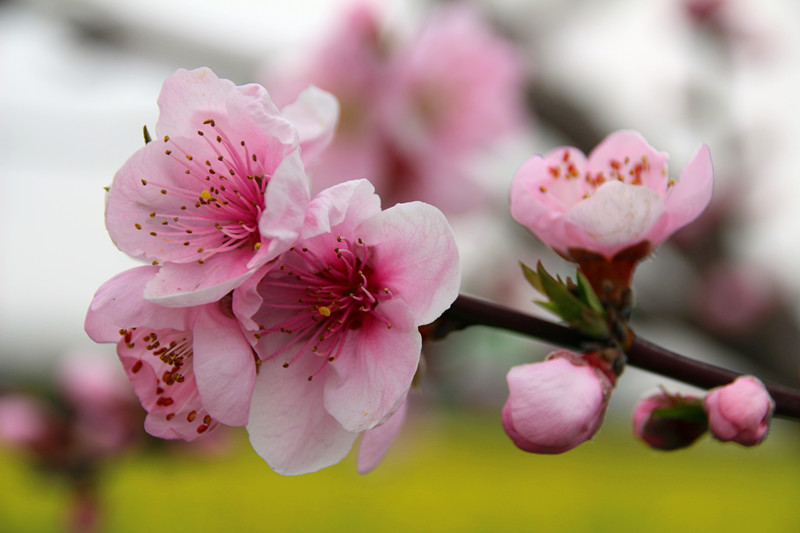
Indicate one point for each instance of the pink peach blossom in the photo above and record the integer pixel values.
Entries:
(223, 190)
(415, 111)
(555, 405)
(619, 197)
(24, 421)
(668, 432)
(191, 368)
(740, 412)
(336, 324)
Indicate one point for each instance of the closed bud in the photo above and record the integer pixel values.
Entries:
(555, 405)
(669, 422)
(740, 412)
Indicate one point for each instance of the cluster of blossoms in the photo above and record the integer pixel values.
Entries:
(415, 112)
(263, 307)
(606, 212)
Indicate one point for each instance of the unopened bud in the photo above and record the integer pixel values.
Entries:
(740, 412)
(555, 405)
(669, 422)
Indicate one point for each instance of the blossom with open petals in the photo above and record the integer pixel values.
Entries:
(335, 325)
(223, 190)
(740, 411)
(191, 368)
(555, 405)
(619, 197)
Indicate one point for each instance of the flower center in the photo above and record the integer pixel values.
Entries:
(221, 195)
(330, 296)
(171, 360)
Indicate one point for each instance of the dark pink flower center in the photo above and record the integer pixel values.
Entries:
(331, 298)
(221, 195)
(170, 358)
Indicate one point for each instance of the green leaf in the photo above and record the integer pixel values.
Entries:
(532, 277)
(586, 293)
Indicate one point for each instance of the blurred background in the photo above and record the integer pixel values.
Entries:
(441, 102)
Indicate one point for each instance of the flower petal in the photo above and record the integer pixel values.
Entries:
(289, 427)
(190, 284)
(630, 153)
(369, 382)
(615, 217)
(692, 193)
(224, 366)
(119, 303)
(415, 256)
(376, 441)
(314, 113)
(343, 206)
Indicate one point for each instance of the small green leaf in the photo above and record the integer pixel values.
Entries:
(532, 277)
(586, 293)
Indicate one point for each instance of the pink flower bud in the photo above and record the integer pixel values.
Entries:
(740, 412)
(556, 404)
(669, 422)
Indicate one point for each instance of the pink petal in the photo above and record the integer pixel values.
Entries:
(287, 200)
(289, 427)
(415, 255)
(376, 441)
(342, 206)
(618, 215)
(188, 92)
(369, 381)
(224, 366)
(119, 303)
(692, 193)
(314, 113)
(630, 146)
(191, 284)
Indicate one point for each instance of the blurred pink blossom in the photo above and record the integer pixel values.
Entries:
(336, 325)
(617, 198)
(415, 111)
(24, 421)
(557, 404)
(197, 200)
(190, 367)
(740, 412)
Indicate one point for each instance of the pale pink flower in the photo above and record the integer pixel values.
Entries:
(351, 63)
(621, 196)
(191, 368)
(740, 412)
(677, 430)
(223, 190)
(555, 405)
(24, 421)
(415, 112)
(336, 324)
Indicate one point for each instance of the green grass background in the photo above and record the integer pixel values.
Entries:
(447, 472)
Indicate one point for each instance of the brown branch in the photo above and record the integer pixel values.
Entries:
(470, 311)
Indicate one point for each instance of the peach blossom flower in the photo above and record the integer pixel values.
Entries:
(223, 191)
(619, 197)
(336, 324)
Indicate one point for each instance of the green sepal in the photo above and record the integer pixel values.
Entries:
(692, 412)
(577, 305)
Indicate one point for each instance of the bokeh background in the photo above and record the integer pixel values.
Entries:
(79, 79)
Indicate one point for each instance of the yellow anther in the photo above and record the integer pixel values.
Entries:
(324, 311)
(205, 194)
